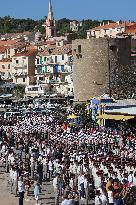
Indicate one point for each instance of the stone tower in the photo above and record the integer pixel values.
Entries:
(50, 23)
(101, 66)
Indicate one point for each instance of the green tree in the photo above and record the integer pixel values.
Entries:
(63, 26)
(19, 91)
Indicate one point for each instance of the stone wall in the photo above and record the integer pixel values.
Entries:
(95, 65)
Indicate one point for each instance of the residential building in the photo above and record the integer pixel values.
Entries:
(112, 30)
(6, 69)
(38, 36)
(9, 48)
(75, 25)
(25, 36)
(54, 68)
(43, 66)
(3, 50)
(131, 29)
(24, 67)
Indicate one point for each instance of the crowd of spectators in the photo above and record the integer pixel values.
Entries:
(82, 165)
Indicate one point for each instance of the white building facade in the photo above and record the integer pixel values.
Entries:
(23, 65)
(54, 73)
(112, 30)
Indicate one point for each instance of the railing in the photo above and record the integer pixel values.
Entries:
(54, 81)
(20, 65)
(20, 74)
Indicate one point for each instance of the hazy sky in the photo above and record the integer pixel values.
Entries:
(73, 9)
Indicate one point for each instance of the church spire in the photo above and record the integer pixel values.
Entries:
(50, 23)
(50, 12)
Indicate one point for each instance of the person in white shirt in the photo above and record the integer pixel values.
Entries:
(81, 185)
(134, 180)
(15, 183)
(50, 167)
(103, 197)
(98, 200)
(56, 166)
(21, 190)
(56, 188)
(130, 177)
(45, 167)
(11, 179)
(55, 182)
(66, 201)
(97, 180)
(110, 196)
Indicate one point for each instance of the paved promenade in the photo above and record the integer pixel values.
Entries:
(6, 198)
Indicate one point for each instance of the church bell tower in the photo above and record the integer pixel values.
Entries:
(50, 24)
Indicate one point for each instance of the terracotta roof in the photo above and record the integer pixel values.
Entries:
(12, 43)
(6, 60)
(131, 29)
(44, 53)
(30, 47)
(3, 49)
(8, 42)
(27, 53)
(18, 45)
(41, 43)
(113, 25)
(15, 35)
(25, 33)
(51, 42)
(67, 49)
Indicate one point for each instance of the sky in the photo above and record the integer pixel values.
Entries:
(72, 9)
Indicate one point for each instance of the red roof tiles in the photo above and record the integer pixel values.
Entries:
(3, 49)
(131, 29)
(66, 49)
(113, 25)
(4, 60)
(12, 43)
(26, 53)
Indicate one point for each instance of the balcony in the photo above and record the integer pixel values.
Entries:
(20, 74)
(19, 66)
(42, 70)
(70, 61)
(66, 71)
(54, 81)
(50, 61)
